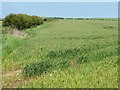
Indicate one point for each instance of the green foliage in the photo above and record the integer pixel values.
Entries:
(21, 21)
(6, 29)
(80, 53)
(9, 43)
(36, 68)
(63, 53)
(91, 75)
(37, 20)
(48, 19)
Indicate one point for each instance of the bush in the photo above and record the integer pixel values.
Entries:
(37, 20)
(21, 21)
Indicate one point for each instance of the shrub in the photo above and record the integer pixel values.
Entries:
(21, 21)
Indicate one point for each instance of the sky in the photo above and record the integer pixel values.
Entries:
(60, 0)
(63, 9)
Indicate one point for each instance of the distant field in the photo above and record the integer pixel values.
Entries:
(63, 53)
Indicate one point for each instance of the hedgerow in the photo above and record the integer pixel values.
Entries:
(21, 21)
